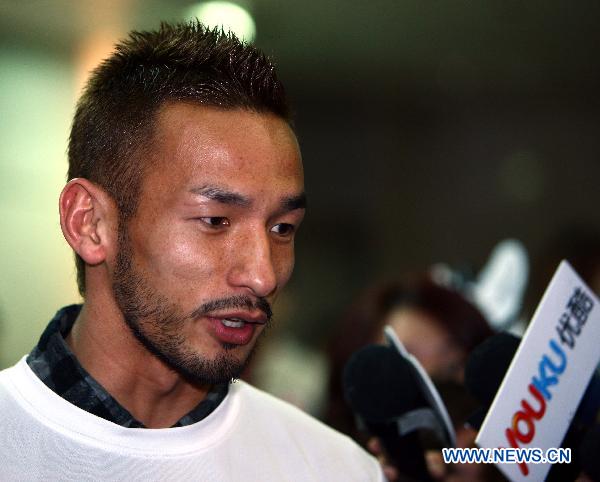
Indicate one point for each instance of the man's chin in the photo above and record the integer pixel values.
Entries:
(200, 368)
(210, 372)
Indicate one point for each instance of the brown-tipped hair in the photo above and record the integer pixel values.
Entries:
(184, 62)
(364, 321)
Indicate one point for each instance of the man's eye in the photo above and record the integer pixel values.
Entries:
(283, 229)
(216, 221)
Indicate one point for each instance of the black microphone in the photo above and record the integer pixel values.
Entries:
(589, 451)
(487, 365)
(381, 388)
(485, 369)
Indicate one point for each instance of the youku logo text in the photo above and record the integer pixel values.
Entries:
(551, 368)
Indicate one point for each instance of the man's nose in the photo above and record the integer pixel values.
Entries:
(252, 265)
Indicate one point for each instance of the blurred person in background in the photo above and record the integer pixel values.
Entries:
(440, 327)
(185, 191)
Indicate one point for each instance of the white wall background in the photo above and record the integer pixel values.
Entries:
(37, 274)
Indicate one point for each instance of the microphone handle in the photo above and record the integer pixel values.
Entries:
(405, 452)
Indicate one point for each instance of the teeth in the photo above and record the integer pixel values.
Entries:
(232, 323)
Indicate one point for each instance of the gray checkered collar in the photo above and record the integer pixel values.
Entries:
(55, 364)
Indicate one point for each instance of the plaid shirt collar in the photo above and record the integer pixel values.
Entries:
(55, 365)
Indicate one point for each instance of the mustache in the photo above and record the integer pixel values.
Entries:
(233, 302)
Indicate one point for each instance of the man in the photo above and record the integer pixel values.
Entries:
(185, 191)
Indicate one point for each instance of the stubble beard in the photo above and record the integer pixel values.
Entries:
(158, 323)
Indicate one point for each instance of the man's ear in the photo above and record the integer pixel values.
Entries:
(88, 219)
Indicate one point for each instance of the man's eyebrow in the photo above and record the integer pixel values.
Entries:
(222, 195)
(294, 202)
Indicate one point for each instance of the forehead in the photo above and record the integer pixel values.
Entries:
(416, 322)
(195, 143)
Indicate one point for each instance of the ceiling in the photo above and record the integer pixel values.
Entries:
(349, 44)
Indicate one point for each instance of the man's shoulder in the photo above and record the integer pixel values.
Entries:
(9, 374)
(280, 410)
(15, 386)
(278, 422)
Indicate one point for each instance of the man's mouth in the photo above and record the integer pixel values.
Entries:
(235, 309)
(233, 322)
(234, 329)
(239, 319)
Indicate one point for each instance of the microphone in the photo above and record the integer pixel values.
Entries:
(386, 395)
(488, 363)
(589, 449)
(484, 372)
(485, 369)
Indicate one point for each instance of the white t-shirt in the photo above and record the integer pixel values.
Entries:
(251, 436)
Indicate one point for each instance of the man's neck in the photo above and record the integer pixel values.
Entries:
(151, 391)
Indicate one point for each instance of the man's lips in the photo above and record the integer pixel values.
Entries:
(251, 310)
(256, 317)
(234, 328)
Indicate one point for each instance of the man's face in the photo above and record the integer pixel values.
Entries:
(212, 241)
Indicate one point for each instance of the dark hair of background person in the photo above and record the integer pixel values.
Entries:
(364, 321)
(183, 62)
